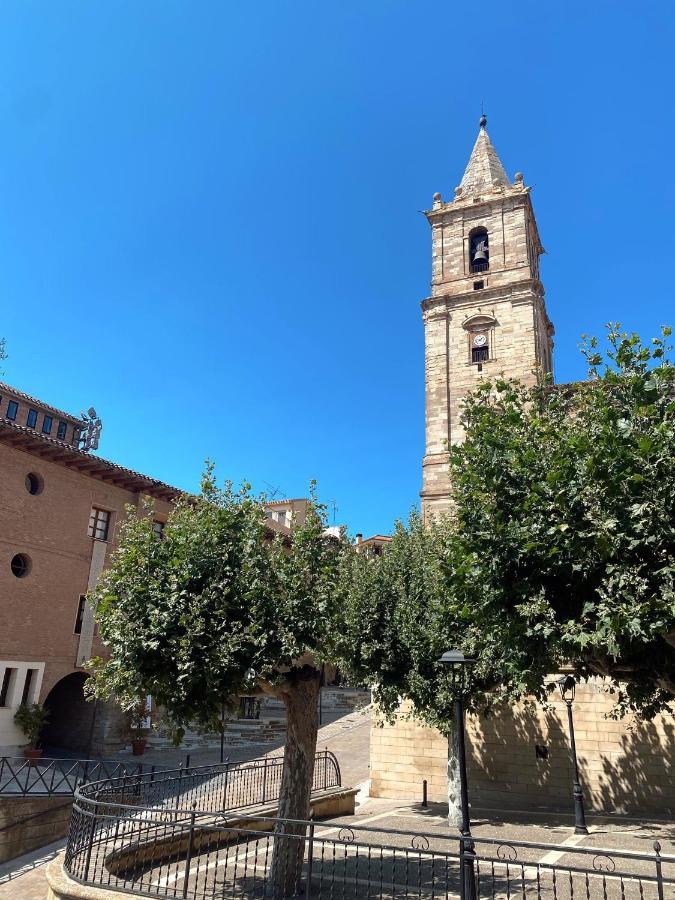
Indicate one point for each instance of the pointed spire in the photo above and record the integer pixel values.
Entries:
(484, 169)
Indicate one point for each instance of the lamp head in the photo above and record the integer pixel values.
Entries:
(458, 664)
(567, 686)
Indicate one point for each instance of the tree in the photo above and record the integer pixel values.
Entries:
(214, 609)
(560, 549)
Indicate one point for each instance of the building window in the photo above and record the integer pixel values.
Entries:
(12, 410)
(99, 521)
(158, 529)
(479, 251)
(6, 685)
(47, 425)
(27, 685)
(478, 285)
(20, 565)
(79, 618)
(31, 421)
(34, 483)
(61, 433)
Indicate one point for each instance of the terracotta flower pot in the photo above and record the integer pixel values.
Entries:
(138, 747)
(32, 755)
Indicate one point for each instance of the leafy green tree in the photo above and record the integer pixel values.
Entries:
(560, 549)
(216, 608)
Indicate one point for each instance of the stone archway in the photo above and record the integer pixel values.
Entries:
(72, 718)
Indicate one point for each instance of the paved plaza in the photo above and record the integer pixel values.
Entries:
(24, 879)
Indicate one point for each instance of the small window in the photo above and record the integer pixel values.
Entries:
(79, 618)
(158, 529)
(27, 685)
(99, 522)
(6, 685)
(34, 483)
(12, 410)
(47, 425)
(61, 433)
(31, 421)
(480, 354)
(478, 285)
(20, 565)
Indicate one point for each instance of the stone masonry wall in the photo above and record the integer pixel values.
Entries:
(30, 822)
(625, 766)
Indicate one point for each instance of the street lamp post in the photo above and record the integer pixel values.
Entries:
(567, 686)
(458, 664)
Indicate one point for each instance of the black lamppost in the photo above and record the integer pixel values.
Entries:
(568, 686)
(458, 664)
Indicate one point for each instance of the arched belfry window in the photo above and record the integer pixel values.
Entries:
(479, 250)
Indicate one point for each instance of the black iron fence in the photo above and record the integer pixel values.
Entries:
(46, 776)
(183, 834)
(191, 854)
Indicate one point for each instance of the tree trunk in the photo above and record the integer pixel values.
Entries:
(300, 696)
(454, 784)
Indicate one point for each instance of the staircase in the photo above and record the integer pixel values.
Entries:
(270, 728)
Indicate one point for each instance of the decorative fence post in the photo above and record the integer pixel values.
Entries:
(659, 870)
(90, 843)
(264, 787)
(310, 862)
(188, 857)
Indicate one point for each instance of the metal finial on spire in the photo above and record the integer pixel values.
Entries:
(483, 121)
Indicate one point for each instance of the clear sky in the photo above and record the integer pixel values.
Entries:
(210, 226)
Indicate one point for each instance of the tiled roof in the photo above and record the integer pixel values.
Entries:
(65, 454)
(484, 169)
(35, 402)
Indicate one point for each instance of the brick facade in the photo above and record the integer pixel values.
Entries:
(50, 530)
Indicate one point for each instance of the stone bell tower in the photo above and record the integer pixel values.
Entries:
(486, 314)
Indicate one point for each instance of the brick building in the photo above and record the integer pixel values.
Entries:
(58, 521)
(59, 516)
(486, 315)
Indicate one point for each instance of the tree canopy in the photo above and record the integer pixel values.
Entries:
(215, 607)
(560, 548)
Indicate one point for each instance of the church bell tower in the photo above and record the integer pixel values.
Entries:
(486, 314)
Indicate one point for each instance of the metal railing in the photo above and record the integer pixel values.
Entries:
(188, 853)
(46, 777)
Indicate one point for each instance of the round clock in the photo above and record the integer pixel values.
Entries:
(479, 340)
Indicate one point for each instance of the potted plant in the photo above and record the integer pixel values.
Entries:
(138, 716)
(31, 718)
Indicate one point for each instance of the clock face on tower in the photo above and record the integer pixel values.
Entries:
(479, 340)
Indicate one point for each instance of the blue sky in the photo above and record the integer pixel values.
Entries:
(210, 226)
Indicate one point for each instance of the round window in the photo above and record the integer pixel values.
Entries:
(33, 483)
(20, 565)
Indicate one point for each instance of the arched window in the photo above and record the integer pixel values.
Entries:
(479, 250)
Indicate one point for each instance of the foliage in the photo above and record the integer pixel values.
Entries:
(560, 548)
(214, 608)
(31, 718)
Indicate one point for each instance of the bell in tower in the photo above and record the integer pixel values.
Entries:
(479, 253)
